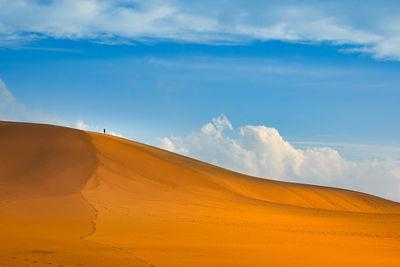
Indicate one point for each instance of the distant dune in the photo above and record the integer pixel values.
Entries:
(75, 198)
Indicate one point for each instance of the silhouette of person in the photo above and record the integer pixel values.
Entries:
(104, 130)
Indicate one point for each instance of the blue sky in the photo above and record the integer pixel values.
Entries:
(324, 74)
(309, 92)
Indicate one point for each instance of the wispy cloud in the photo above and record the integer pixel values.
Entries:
(262, 151)
(117, 134)
(11, 110)
(115, 21)
(81, 125)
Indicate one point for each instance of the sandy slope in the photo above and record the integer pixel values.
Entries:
(68, 197)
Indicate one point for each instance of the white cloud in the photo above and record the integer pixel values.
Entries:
(6, 98)
(81, 125)
(117, 134)
(167, 144)
(356, 151)
(115, 21)
(11, 110)
(261, 151)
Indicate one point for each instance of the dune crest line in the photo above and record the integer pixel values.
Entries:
(137, 205)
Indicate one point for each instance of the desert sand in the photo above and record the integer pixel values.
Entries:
(75, 198)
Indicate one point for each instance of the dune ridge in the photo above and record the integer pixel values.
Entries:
(69, 197)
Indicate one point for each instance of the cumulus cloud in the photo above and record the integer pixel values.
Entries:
(262, 151)
(234, 21)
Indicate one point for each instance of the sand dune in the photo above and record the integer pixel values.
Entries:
(70, 198)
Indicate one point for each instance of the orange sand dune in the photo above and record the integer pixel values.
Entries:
(71, 198)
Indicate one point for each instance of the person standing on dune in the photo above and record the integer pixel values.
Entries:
(104, 130)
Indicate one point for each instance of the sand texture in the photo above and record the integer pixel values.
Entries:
(75, 198)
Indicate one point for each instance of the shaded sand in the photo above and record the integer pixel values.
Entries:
(70, 197)
(43, 215)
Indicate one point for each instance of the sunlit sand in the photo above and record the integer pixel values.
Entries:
(70, 198)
